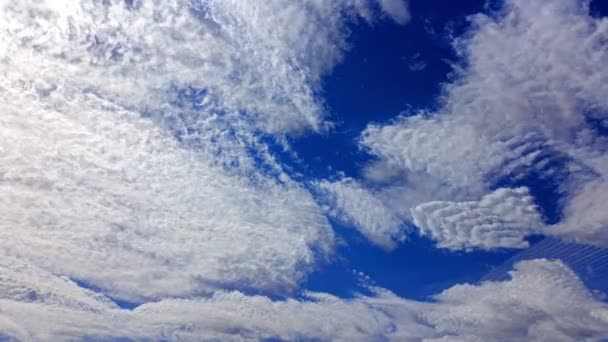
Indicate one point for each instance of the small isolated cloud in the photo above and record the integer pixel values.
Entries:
(501, 219)
(416, 63)
(133, 167)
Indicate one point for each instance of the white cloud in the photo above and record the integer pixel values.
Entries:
(130, 155)
(543, 301)
(396, 9)
(501, 219)
(585, 215)
(353, 204)
(264, 60)
(418, 145)
(416, 63)
(99, 194)
(532, 83)
(110, 175)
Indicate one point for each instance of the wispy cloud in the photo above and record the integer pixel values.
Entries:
(351, 203)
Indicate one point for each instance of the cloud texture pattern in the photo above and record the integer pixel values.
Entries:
(504, 118)
(135, 167)
(543, 301)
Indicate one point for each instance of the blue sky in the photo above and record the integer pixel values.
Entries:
(349, 170)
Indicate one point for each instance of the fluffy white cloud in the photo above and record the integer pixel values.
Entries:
(501, 219)
(130, 162)
(97, 193)
(417, 145)
(544, 301)
(264, 59)
(396, 9)
(355, 205)
(527, 101)
(584, 215)
(129, 147)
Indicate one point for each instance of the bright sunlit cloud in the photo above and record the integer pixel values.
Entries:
(146, 194)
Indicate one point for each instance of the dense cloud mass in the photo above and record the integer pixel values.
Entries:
(528, 102)
(263, 60)
(127, 130)
(544, 301)
(134, 167)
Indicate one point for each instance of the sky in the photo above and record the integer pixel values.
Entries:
(311, 170)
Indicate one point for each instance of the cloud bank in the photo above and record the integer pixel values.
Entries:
(543, 301)
(263, 60)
